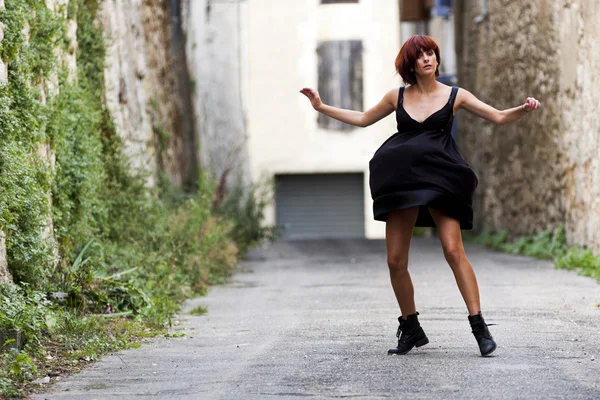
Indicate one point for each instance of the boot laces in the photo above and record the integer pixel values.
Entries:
(404, 338)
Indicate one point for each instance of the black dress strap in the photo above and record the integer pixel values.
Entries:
(400, 96)
(453, 96)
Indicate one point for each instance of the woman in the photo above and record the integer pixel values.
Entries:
(418, 178)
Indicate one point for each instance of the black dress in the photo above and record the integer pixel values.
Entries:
(420, 166)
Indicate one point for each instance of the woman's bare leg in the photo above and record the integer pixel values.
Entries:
(399, 227)
(450, 236)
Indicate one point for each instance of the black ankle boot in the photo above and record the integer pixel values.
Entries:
(482, 334)
(410, 334)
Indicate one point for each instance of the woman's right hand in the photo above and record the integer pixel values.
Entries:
(313, 96)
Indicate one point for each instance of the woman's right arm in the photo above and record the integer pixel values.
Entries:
(357, 118)
(466, 100)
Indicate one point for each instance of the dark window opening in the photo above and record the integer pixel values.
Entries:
(340, 78)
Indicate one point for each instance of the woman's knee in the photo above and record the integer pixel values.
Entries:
(454, 255)
(398, 264)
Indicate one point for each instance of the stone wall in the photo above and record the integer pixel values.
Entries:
(143, 88)
(578, 100)
(147, 92)
(542, 171)
(216, 34)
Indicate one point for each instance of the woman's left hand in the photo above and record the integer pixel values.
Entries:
(531, 104)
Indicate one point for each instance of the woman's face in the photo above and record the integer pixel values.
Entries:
(426, 64)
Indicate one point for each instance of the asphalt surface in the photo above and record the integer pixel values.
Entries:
(315, 320)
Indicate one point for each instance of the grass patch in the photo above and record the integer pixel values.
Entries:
(174, 334)
(550, 246)
(581, 260)
(200, 310)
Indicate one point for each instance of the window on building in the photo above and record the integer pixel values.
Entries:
(338, 1)
(340, 78)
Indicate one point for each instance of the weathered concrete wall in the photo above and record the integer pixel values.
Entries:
(126, 69)
(143, 87)
(216, 34)
(578, 100)
(543, 170)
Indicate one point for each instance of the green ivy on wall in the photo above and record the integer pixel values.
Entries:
(31, 34)
(80, 193)
(103, 217)
(120, 248)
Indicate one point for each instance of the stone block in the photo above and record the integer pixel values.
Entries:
(4, 272)
(3, 74)
(14, 335)
(57, 5)
(3, 68)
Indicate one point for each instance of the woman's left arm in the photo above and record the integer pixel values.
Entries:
(469, 102)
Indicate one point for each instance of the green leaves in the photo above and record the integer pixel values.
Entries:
(546, 246)
(581, 260)
(22, 363)
(24, 176)
(244, 205)
(79, 261)
(124, 253)
(199, 310)
(51, 321)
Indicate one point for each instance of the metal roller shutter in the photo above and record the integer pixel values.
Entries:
(320, 206)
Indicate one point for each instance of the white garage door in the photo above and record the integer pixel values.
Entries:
(320, 206)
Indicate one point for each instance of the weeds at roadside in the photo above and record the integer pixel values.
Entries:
(550, 246)
(122, 256)
(92, 310)
(200, 310)
(174, 334)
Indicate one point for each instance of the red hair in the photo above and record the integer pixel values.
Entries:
(410, 52)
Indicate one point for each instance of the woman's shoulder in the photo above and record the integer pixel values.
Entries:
(462, 93)
(392, 95)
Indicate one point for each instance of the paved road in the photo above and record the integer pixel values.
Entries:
(315, 319)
